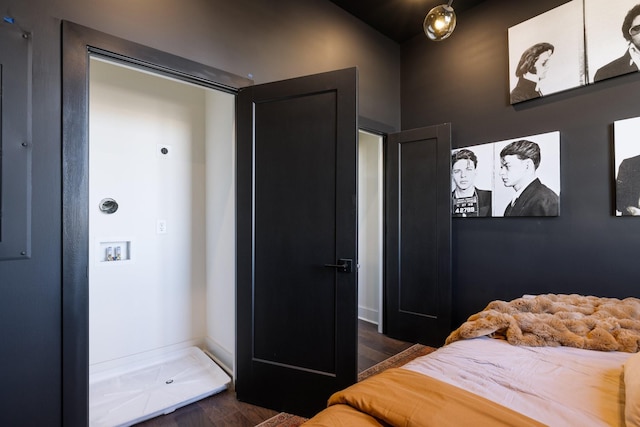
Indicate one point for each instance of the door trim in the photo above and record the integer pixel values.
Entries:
(78, 43)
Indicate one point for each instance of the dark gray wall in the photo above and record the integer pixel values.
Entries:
(464, 80)
(30, 289)
(262, 40)
(270, 41)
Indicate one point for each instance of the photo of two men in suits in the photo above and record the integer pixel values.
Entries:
(519, 177)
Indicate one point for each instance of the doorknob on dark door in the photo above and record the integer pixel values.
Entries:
(345, 265)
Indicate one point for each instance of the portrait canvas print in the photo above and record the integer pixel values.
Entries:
(515, 177)
(472, 181)
(627, 166)
(612, 31)
(546, 53)
(527, 176)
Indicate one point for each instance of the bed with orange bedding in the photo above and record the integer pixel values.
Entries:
(401, 397)
(484, 380)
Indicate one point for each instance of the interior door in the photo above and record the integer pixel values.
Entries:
(296, 241)
(418, 235)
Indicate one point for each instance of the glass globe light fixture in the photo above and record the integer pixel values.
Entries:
(440, 22)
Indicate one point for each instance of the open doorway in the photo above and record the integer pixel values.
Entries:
(370, 227)
(76, 356)
(161, 209)
(161, 154)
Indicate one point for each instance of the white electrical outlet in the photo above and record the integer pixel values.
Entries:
(161, 226)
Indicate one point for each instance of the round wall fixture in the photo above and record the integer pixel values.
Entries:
(108, 206)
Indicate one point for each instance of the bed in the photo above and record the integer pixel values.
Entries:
(557, 360)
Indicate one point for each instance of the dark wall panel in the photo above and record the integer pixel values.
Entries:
(15, 142)
(30, 284)
(587, 249)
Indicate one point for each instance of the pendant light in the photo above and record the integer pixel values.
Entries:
(440, 22)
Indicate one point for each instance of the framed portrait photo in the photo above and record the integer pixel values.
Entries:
(612, 31)
(472, 181)
(627, 166)
(527, 176)
(546, 53)
(517, 177)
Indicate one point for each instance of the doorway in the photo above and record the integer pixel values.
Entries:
(80, 44)
(162, 150)
(370, 227)
(155, 152)
(161, 206)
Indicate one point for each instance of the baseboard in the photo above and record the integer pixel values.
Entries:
(220, 355)
(368, 315)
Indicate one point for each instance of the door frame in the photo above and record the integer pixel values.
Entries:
(78, 44)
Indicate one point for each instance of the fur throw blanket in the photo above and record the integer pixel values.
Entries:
(589, 322)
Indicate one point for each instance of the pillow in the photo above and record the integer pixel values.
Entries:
(632, 391)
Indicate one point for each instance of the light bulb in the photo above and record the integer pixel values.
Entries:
(439, 22)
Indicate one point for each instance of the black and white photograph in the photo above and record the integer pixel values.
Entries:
(546, 53)
(627, 166)
(612, 30)
(471, 181)
(527, 176)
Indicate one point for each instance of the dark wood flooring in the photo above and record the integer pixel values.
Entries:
(223, 410)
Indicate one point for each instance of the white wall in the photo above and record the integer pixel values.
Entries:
(166, 294)
(370, 217)
(221, 216)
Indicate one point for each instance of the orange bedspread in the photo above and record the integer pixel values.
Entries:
(399, 397)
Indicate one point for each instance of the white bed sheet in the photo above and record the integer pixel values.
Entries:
(558, 386)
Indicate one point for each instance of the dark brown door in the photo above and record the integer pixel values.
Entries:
(418, 235)
(296, 223)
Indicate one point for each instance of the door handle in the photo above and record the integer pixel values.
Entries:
(345, 265)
